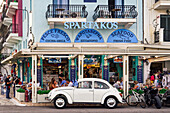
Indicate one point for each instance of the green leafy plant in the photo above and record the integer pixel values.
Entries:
(21, 90)
(130, 92)
(120, 91)
(162, 91)
(141, 92)
(43, 92)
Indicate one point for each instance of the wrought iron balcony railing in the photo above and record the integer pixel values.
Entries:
(115, 11)
(3, 14)
(66, 11)
(156, 36)
(3, 56)
(13, 28)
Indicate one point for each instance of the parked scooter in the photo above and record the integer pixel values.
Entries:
(166, 98)
(152, 97)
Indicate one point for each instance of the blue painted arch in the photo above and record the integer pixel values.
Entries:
(122, 36)
(55, 36)
(89, 36)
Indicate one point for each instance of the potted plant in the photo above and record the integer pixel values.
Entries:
(20, 95)
(42, 94)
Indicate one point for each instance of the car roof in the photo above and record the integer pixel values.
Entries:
(92, 79)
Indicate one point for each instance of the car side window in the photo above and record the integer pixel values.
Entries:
(100, 85)
(85, 85)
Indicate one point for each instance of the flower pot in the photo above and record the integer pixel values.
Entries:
(41, 98)
(21, 96)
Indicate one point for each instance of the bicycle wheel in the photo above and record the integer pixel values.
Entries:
(142, 102)
(131, 100)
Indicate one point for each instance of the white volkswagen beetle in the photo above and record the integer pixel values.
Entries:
(89, 90)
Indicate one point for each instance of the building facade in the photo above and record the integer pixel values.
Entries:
(79, 38)
(156, 32)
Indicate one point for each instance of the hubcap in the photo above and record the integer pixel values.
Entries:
(60, 102)
(111, 102)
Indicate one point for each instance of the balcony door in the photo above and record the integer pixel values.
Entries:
(165, 23)
(116, 7)
(60, 6)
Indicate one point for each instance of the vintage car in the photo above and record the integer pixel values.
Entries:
(89, 90)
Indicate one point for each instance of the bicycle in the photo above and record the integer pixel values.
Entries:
(135, 98)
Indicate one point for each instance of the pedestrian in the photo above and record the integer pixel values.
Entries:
(8, 84)
(137, 86)
(63, 83)
(152, 79)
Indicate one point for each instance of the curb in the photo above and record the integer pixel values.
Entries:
(15, 102)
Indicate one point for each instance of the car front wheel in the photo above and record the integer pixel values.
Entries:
(60, 102)
(110, 102)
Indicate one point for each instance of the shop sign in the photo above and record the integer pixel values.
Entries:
(140, 74)
(89, 36)
(54, 60)
(106, 73)
(122, 36)
(55, 36)
(90, 25)
(118, 60)
(90, 61)
(72, 73)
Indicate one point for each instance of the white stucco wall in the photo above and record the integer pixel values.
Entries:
(149, 15)
(40, 23)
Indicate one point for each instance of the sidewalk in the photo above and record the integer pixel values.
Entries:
(4, 101)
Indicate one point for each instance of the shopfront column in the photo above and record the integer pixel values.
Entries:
(34, 78)
(80, 64)
(125, 75)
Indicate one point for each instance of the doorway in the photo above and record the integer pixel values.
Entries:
(165, 23)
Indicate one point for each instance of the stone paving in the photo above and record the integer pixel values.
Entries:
(4, 101)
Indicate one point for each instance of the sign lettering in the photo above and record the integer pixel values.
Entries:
(122, 36)
(55, 36)
(91, 25)
(89, 36)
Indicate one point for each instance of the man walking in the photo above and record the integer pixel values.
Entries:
(8, 84)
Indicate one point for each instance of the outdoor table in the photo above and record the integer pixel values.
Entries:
(115, 10)
(60, 10)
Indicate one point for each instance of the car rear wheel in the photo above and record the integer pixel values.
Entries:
(110, 102)
(60, 102)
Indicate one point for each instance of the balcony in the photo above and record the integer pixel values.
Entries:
(11, 36)
(162, 36)
(3, 56)
(2, 7)
(123, 15)
(58, 14)
(12, 7)
(5, 20)
(161, 4)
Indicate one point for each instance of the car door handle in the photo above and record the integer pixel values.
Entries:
(90, 90)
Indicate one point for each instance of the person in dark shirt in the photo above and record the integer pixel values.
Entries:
(8, 84)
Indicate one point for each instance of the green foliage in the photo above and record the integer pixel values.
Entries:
(43, 92)
(120, 91)
(21, 90)
(130, 92)
(162, 91)
(141, 92)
